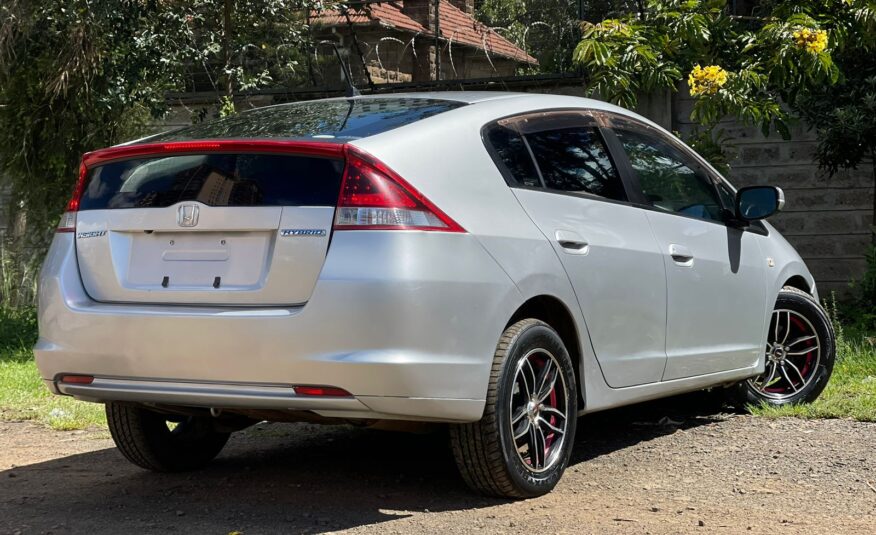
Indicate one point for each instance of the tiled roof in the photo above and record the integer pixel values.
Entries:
(386, 14)
(456, 26)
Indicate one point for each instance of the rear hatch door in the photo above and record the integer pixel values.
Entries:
(230, 225)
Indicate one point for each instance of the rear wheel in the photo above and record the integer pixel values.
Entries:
(800, 353)
(154, 441)
(521, 446)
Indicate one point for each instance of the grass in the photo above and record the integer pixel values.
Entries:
(851, 392)
(23, 396)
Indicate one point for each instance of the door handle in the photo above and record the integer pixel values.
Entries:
(572, 242)
(681, 255)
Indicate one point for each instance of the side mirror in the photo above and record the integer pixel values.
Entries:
(758, 202)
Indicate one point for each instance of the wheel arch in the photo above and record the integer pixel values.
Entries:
(555, 313)
(799, 282)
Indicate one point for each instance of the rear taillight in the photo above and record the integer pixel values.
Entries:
(373, 197)
(68, 220)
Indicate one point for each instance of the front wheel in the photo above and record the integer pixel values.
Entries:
(799, 354)
(521, 446)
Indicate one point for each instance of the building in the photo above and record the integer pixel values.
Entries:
(395, 41)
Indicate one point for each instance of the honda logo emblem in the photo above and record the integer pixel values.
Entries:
(187, 215)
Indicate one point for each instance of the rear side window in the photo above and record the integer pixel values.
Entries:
(214, 180)
(575, 160)
(341, 119)
(512, 156)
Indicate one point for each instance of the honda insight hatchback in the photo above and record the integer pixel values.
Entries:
(502, 263)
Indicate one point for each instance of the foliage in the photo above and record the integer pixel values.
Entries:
(844, 117)
(76, 75)
(711, 144)
(546, 29)
(740, 66)
(858, 310)
(18, 328)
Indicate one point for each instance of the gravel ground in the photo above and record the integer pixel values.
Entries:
(669, 467)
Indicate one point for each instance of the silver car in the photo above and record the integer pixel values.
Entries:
(499, 262)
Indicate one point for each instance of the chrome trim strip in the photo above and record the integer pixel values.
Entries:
(252, 396)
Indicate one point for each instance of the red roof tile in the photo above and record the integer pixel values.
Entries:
(456, 27)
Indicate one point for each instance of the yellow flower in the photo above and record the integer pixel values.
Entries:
(706, 80)
(812, 41)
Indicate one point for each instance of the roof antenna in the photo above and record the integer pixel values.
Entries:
(350, 88)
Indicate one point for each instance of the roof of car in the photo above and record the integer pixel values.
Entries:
(388, 106)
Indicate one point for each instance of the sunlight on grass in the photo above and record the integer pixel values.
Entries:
(23, 396)
(851, 392)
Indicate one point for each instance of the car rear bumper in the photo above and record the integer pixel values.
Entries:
(406, 322)
(269, 397)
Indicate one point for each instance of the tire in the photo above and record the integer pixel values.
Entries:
(486, 452)
(144, 438)
(801, 362)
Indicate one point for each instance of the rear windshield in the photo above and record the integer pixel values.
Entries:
(341, 119)
(214, 180)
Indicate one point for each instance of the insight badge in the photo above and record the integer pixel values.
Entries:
(92, 234)
(314, 232)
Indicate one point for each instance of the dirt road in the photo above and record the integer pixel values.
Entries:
(633, 471)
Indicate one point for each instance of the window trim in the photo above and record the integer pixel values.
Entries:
(586, 119)
(610, 120)
(635, 195)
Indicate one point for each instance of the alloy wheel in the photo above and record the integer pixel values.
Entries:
(793, 353)
(538, 410)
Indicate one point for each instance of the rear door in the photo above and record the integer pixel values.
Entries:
(224, 227)
(564, 178)
(716, 274)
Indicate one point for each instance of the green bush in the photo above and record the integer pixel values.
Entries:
(18, 329)
(858, 312)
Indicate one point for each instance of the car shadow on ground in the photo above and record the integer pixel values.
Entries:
(278, 478)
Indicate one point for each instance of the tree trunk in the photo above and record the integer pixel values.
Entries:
(873, 221)
(226, 44)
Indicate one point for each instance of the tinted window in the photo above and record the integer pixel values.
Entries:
(215, 180)
(510, 150)
(575, 159)
(321, 119)
(670, 180)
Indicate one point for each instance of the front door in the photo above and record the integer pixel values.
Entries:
(716, 274)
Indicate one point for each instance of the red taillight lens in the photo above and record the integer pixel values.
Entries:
(68, 220)
(374, 197)
(77, 379)
(322, 391)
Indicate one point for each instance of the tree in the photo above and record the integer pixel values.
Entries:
(844, 116)
(73, 76)
(812, 59)
(546, 29)
(76, 75)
